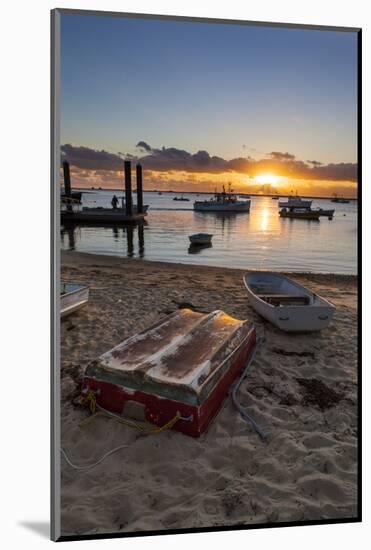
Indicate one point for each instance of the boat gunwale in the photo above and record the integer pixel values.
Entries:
(327, 303)
(82, 287)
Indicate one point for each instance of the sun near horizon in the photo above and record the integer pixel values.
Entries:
(270, 179)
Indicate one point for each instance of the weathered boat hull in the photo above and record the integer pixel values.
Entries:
(286, 304)
(184, 365)
(75, 297)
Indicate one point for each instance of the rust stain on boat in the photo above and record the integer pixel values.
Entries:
(186, 349)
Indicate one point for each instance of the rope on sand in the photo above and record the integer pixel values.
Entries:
(91, 402)
(237, 404)
(89, 466)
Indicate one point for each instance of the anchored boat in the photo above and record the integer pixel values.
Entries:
(340, 200)
(223, 202)
(323, 212)
(184, 199)
(177, 371)
(200, 238)
(287, 304)
(73, 297)
(295, 202)
(300, 213)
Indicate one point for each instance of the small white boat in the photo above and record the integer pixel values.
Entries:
(287, 304)
(200, 238)
(73, 297)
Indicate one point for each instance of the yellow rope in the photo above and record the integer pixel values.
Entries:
(91, 402)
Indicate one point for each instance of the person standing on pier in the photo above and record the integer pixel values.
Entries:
(114, 202)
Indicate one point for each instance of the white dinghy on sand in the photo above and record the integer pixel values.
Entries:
(287, 304)
(73, 297)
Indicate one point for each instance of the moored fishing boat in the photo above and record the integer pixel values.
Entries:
(223, 202)
(323, 212)
(287, 304)
(73, 297)
(300, 213)
(295, 201)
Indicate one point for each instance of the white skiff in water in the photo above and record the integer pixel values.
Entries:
(73, 297)
(287, 304)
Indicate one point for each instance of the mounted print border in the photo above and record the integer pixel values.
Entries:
(188, 353)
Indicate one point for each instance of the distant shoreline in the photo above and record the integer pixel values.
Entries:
(170, 192)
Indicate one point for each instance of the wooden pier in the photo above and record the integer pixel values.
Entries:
(73, 213)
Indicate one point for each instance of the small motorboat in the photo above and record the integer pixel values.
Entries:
(200, 238)
(323, 212)
(340, 200)
(180, 199)
(300, 213)
(73, 297)
(287, 304)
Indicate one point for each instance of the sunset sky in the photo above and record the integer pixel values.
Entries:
(200, 104)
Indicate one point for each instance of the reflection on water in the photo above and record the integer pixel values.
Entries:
(258, 240)
(196, 248)
(124, 237)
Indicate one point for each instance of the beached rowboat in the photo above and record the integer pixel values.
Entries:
(73, 297)
(287, 304)
(183, 365)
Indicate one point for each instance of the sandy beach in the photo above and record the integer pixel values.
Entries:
(302, 390)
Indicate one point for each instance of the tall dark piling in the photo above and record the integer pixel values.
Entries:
(67, 178)
(139, 189)
(128, 194)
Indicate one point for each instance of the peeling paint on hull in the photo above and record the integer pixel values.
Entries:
(184, 364)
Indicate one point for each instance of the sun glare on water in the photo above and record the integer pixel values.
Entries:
(267, 178)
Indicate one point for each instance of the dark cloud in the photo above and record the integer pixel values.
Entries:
(315, 162)
(277, 155)
(92, 159)
(169, 159)
(143, 146)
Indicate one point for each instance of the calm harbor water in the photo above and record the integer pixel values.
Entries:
(258, 240)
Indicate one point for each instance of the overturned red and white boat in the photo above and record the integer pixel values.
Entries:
(181, 366)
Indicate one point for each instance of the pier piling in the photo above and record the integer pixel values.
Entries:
(139, 189)
(67, 178)
(128, 193)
